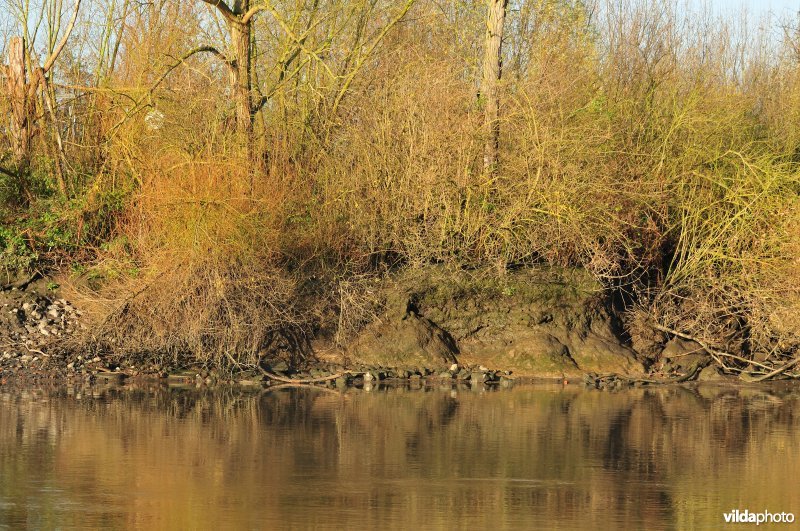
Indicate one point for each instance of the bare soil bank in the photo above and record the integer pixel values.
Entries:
(430, 323)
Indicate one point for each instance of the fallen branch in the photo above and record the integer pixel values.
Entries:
(273, 376)
(685, 378)
(300, 386)
(33, 350)
(778, 371)
(714, 353)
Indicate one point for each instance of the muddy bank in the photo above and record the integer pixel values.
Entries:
(547, 322)
(435, 323)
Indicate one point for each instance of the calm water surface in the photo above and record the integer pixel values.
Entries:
(530, 457)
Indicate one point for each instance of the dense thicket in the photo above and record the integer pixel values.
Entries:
(656, 147)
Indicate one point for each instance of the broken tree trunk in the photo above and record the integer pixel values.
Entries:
(23, 85)
(21, 103)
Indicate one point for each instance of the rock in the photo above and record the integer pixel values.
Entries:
(677, 347)
(411, 340)
(538, 354)
(680, 355)
(111, 376)
(478, 377)
(711, 374)
(280, 366)
(454, 367)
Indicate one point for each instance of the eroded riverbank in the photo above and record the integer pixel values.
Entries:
(431, 324)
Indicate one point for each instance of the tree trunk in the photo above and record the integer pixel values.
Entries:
(20, 123)
(490, 83)
(241, 83)
(241, 77)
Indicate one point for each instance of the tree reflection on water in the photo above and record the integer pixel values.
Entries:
(538, 456)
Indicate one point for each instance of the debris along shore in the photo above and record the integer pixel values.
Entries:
(554, 324)
(35, 325)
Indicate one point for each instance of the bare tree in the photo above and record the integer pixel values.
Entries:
(240, 17)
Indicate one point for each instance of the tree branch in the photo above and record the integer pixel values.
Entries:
(201, 49)
(352, 74)
(253, 11)
(299, 40)
(284, 78)
(778, 371)
(6, 171)
(60, 46)
(223, 8)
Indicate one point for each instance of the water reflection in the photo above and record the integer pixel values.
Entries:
(533, 457)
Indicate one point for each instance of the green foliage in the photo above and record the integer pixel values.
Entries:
(15, 254)
(50, 227)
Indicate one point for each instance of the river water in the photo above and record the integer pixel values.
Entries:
(543, 457)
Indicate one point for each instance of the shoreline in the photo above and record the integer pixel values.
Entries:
(537, 325)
